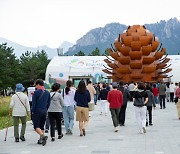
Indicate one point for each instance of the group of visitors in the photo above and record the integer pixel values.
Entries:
(62, 104)
(54, 104)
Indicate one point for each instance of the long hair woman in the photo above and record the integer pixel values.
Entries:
(82, 98)
(69, 103)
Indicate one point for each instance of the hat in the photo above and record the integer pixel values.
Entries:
(19, 87)
(114, 85)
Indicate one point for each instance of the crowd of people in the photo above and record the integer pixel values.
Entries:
(62, 105)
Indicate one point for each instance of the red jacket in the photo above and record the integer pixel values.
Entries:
(115, 98)
(155, 91)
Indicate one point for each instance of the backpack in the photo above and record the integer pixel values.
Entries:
(139, 101)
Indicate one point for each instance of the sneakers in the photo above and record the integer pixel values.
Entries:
(16, 139)
(52, 139)
(150, 124)
(116, 129)
(46, 131)
(39, 141)
(60, 136)
(44, 140)
(69, 132)
(22, 138)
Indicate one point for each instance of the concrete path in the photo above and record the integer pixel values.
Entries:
(161, 138)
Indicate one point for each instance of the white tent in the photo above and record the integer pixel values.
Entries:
(62, 68)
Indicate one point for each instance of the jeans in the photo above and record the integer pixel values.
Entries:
(115, 116)
(156, 99)
(95, 98)
(16, 126)
(68, 114)
(162, 100)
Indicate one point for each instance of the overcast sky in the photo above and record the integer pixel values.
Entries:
(50, 22)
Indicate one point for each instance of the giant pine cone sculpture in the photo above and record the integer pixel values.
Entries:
(138, 56)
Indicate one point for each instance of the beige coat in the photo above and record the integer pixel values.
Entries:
(91, 90)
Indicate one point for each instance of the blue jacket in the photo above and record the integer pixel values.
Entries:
(82, 99)
(40, 101)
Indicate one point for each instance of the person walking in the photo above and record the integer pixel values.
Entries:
(177, 94)
(55, 111)
(149, 104)
(115, 99)
(140, 99)
(82, 98)
(103, 99)
(172, 91)
(126, 96)
(20, 109)
(155, 92)
(92, 92)
(68, 110)
(168, 92)
(40, 104)
(97, 93)
(162, 95)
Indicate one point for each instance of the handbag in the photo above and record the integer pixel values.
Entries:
(91, 106)
(176, 99)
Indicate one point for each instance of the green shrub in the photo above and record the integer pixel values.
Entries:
(4, 106)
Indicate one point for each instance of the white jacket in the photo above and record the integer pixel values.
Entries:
(16, 105)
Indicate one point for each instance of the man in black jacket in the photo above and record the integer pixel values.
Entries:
(126, 96)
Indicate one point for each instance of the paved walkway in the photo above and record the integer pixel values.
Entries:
(161, 138)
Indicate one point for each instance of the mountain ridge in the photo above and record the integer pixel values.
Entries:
(19, 49)
(168, 33)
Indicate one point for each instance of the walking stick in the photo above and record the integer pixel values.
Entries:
(7, 126)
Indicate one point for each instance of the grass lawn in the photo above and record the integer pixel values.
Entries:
(4, 111)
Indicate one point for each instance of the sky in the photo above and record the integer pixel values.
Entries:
(50, 22)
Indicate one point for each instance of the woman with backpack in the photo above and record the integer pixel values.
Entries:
(140, 98)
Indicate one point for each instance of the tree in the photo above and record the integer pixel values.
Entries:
(33, 66)
(95, 52)
(9, 68)
(106, 53)
(80, 53)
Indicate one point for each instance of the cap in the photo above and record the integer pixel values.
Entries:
(114, 85)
